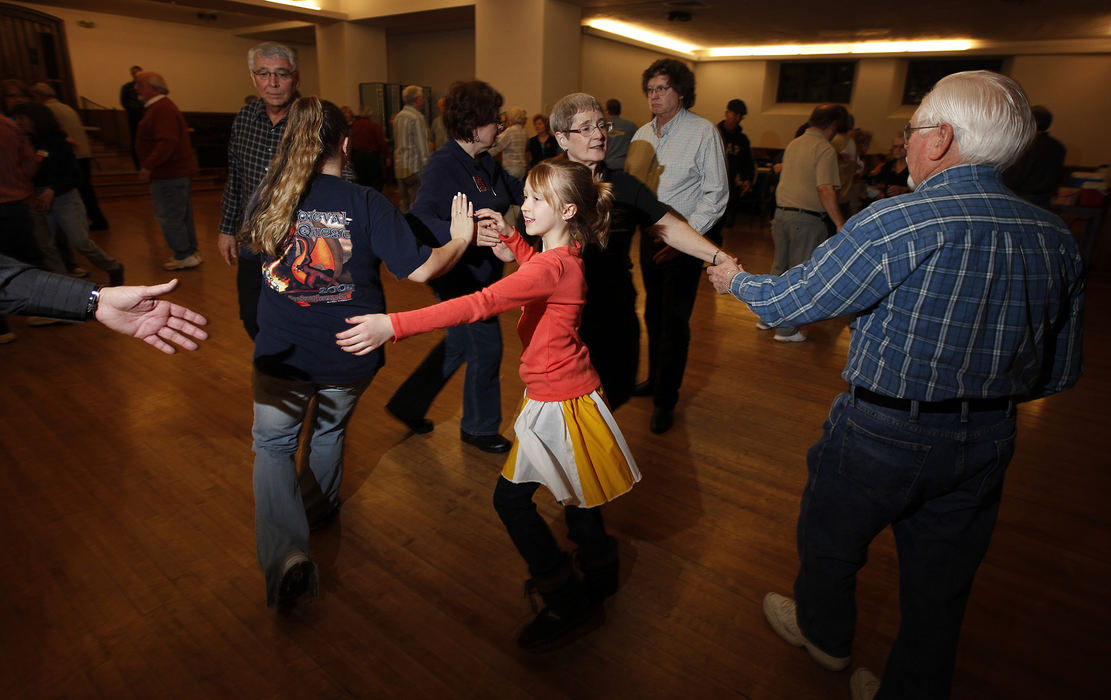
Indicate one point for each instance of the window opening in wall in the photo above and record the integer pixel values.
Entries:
(923, 74)
(816, 81)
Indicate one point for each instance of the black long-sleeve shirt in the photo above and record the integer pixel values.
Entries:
(29, 291)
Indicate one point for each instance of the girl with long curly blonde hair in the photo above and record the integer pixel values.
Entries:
(321, 240)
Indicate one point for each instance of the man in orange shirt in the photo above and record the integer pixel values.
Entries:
(166, 161)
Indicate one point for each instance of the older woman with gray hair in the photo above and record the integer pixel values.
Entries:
(610, 327)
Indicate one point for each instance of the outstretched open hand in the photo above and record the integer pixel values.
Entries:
(462, 218)
(138, 312)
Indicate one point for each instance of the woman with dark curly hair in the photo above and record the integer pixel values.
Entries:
(472, 120)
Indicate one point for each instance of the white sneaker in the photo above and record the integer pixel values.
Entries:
(864, 685)
(782, 616)
(183, 264)
(761, 326)
(298, 574)
(796, 337)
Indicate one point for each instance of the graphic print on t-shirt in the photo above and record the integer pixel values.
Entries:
(311, 268)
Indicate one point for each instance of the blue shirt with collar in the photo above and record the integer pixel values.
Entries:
(958, 290)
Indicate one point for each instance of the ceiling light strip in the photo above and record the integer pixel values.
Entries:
(642, 35)
(645, 36)
(303, 4)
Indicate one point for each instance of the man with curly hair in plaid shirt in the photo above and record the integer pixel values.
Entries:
(965, 300)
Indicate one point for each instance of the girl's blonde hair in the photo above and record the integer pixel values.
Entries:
(560, 181)
(313, 134)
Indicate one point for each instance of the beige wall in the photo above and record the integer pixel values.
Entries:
(435, 59)
(1072, 86)
(205, 68)
(1076, 90)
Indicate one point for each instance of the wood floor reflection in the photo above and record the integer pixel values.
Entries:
(128, 568)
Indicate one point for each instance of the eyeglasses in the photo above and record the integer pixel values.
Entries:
(587, 130)
(658, 90)
(282, 75)
(908, 129)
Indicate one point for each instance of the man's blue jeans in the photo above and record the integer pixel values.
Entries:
(936, 478)
(281, 405)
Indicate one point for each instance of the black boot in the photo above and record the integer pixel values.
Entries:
(600, 571)
(567, 609)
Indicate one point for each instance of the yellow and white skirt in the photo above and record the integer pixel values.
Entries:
(573, 447)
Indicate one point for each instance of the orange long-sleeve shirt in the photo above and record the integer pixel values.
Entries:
(551, 288)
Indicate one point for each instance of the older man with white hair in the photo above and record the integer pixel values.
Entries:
(966, 301)
(411, 144)
(167, 162)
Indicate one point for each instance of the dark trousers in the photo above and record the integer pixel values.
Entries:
(936, 479)
(17, 233)
(670, 290)
(532, 536)
(17, 239)
(88, 195)
(479, 344)
(248, 285)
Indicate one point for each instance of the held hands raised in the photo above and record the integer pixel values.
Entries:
(492, 230)
(367, 332)
(462, 218)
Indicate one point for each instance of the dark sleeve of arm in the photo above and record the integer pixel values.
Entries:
(231, 206)
(433, 203)
(31, 292)
(748, 165)
(392, 240)
(60, 171)
(630, 191)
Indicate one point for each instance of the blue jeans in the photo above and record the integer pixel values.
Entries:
(173, 208)
(936, 478)
(281, 405)
(479, 344)
(68, 215)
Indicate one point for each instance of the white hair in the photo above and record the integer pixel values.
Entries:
(155, 80)
(269, 49)
(991, 118)
(411, 94)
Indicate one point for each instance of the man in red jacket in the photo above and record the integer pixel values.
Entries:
(166, 161)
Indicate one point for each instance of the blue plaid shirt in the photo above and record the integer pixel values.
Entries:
(959, 290)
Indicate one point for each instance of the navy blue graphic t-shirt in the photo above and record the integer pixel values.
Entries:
(327, 271)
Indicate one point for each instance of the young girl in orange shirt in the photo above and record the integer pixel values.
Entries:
(567, 438)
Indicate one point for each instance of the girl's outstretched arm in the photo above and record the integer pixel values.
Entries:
(366, 333)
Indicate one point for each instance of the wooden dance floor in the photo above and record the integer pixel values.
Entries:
(129, 569)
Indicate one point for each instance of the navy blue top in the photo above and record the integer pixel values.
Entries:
(59, 169)
(450, 170)
(327, 272)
